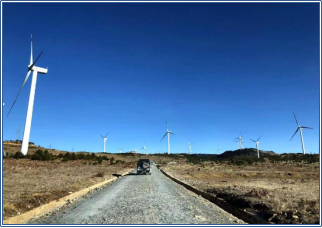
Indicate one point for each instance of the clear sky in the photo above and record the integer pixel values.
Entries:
(212, 69)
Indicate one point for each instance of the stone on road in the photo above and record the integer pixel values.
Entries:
(141, 199)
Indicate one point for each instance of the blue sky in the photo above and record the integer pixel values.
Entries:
(211, 69)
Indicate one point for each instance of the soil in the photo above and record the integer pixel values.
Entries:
(282, 193)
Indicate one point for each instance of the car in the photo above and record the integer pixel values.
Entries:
(144, 167)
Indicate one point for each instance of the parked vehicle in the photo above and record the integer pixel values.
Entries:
(144, 167)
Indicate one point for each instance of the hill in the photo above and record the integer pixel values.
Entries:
(247, 152)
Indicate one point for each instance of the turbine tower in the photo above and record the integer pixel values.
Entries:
(239, 141)
(104, 139)
(35, 70)
(144, 148)
(257, 142)
(190, 147)
(167, 133)
(300, 128)
(219, 149)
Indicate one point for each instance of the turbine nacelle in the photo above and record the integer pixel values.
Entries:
(40, 70)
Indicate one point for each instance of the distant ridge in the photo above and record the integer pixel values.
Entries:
(248, 152)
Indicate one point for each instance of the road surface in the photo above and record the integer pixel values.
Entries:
(141, 199)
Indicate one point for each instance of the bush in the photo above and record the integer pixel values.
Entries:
(18, 155)
(67, 156)
(81, 156)
(36, 156)
(73, 157)
(112, 160)
(42, 155)
(99, 160)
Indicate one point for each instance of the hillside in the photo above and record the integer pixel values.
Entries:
(247, 152)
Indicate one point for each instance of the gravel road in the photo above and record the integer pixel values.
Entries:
(141, 199)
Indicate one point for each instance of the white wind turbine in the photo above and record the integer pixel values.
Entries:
(104, 139)
(239, 141)
(120, 150)
(219, 149)
(144, 148)
(257, 147)
(300, 128)
(35, 70)
(167, 133)
(190, 147)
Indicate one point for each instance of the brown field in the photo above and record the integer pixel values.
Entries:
(280, 192)
(28, 184)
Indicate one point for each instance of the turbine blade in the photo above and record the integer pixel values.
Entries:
(253, 140)
(294, 133)
(35, 61)
(259, 138)
(296, 120)
(171, 133)
(164, 136)
(102, 136)
(24, 82)
(31, 58)
(307, 127)
(106, 134)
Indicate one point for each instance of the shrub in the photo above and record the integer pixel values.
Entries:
(36, 156)
(73, 157)
(18, 155)
(42, 155)
(112, 160)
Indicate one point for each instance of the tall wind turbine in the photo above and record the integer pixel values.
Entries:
(35, 70)
(219, 149)
(257, 142)
(300, 128)
(120, 150)
(239, 141)
(190, 147)
(167, 133)
(144, 148)
(104, 139)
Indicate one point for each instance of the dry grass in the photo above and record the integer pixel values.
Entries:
(28, 184)
(281, 192)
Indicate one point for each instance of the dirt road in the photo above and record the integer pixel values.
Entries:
(141, 199)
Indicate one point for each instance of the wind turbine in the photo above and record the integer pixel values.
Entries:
(300, 128)
(104, 139)
(257, 142)
(239, 141)
(218, 151)
(120, 150)
(190, 147)
(35, 70)
(167, 133)
(144, 148)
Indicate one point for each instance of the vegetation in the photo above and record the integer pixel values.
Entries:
(249, 160)
(18, 155)
(45, 155)
(42, 155)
